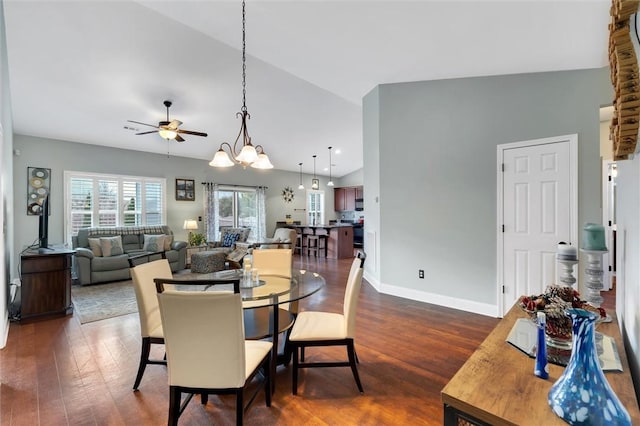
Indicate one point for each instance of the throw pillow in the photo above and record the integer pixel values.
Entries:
(94, 245)
(153, 243)
(111, 246)
(168, 239)
(228, 240)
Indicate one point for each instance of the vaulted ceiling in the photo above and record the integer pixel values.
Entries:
(79, 70)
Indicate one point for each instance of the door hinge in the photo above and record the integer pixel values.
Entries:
(503, 290)
(502, 167)
(610, 268)
(609, 223)
(502, 228)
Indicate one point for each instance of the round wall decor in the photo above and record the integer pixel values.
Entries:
(287, 194)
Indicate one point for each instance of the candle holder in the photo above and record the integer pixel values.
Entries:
(593, 272)
(566, 273)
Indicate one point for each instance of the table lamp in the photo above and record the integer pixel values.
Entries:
(190, 225)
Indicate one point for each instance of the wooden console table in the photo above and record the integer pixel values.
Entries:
(496, 385)
(46, 284)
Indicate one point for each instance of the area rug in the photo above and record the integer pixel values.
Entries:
(102, 301)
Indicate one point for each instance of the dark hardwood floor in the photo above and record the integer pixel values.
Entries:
(58, 372)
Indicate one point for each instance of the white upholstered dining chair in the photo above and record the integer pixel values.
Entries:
(150, 322)
(313, 328)
(206, 350)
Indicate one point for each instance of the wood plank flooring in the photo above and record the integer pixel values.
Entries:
(58, 372)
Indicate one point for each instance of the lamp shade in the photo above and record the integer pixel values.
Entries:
(190, 224)
(167, 133)
(221, 159)
(247, 155)
(262, 162)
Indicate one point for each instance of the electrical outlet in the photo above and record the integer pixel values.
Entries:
(420, 273)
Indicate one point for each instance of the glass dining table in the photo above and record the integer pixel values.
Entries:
(262, 299)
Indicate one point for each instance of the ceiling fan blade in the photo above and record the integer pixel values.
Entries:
(144, 124)
(191, 132)
(174, 124)
(179, 138)
(146, 133)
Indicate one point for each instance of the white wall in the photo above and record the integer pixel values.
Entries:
(6, 182)
(628, 258)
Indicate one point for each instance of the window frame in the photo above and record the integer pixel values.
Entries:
(121, 181)
(320, 213)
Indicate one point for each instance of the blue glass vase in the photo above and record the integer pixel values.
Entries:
(582, 395)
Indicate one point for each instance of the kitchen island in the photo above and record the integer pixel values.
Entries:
(339, 238)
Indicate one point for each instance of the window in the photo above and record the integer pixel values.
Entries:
(238, 208)
(112, 200)
(315, 207)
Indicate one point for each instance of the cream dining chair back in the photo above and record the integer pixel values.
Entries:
(273, 261)
(329, 329)
(150, 322)
(207, 350)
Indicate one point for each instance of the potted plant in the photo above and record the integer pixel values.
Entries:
(197, 239)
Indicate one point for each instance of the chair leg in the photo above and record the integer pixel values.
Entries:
(294, 373)
(174, 405)
(204, 398)
(239, 406)
(302, 354)
(144, 357)
(268, 380)
(351, 351)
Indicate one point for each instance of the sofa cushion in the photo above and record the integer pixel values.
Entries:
(111, 246)
(110, 263)
(94, 245)
(229, 239)
(168, 239)
(153, 243)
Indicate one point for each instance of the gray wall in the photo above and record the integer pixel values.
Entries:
(437, 161)
(62, 156)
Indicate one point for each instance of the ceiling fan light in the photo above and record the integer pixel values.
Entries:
(248, 155)
(167, 134)
(262, 162)
(221, 159)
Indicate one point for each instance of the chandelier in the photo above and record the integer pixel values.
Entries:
(248, 155)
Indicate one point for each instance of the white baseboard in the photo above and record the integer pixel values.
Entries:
(433, 298)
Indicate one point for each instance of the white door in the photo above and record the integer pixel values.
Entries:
(537, 212)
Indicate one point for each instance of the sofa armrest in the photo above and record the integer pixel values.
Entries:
(214, 244)
(84, 252)
(178, 245)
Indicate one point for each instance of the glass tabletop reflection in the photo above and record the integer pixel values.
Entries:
(271, 289)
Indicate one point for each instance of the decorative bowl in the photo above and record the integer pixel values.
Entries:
(554, 302)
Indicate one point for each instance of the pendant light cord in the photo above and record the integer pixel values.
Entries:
(244, 61)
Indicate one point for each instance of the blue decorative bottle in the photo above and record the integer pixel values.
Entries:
(541, 368)
(582, 395)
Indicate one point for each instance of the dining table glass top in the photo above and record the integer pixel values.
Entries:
(271, 288)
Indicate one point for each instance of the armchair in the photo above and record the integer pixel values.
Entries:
(283, 238)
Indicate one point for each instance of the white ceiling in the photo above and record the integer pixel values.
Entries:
(79, 70)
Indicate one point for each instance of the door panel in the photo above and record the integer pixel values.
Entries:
(536, 214)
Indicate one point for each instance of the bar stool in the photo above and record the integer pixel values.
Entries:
(317, 244)
(299, 248)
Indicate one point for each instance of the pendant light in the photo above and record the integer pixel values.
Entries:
(248, 155)
(315, 183)
(301, 186)
(330, 183)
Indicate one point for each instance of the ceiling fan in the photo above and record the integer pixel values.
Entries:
(169, 129)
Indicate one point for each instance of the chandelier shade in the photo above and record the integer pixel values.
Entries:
(242, 152)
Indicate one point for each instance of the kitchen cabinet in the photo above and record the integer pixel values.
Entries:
(345, 198)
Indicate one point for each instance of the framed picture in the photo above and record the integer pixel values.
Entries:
(185, 190)
(38, 187)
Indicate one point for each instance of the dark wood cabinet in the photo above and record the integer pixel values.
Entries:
(46, 284)
(345, 198)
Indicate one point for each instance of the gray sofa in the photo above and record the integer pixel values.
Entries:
(98, 257)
